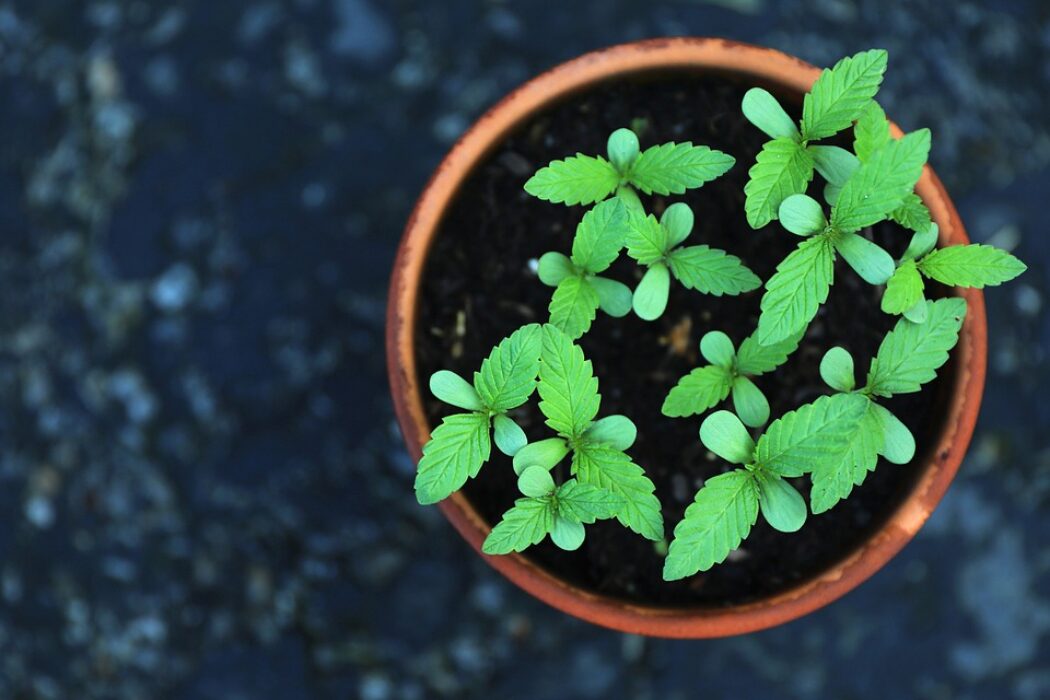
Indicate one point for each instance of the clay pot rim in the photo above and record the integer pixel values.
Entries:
(762, 66)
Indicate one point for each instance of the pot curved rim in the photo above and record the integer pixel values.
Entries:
(763, 66)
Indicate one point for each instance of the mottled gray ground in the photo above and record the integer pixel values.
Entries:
(203, 492)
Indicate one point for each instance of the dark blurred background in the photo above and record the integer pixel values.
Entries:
(203, 493)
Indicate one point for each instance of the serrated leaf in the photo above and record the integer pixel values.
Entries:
(797, 289)
(754, 358)
(762, 109)
(811, 437)
(711, 271)
(623, 148)
(614, 298)
(610, 469)
(881, 183)
(568, 388)
(618, 432)
(835, 164)
(780, 504)
(911, 353)
(673, 168)
(455, 452)
(508, 435)
(600, 236)
(867, 259)
(903, 290)
(782, 168)
(973, 265)
(508, 375)
(647, 241)
(650, 296)
(715, 524)
(872, 131)
(841, 93)
(574, 306)
(553, 267)
(836, 369)
(912, 214)
(579, 179)
(834, 481)
(750, 403)
(455, 390)
(696, 392)
(802, 215)
(724, 434)
(585, 503)
(526, 524)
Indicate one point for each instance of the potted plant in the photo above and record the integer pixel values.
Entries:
(558, 428)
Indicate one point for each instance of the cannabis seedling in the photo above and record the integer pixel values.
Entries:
(730, 371)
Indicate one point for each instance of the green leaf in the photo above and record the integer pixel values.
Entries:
(574, 306)
(701, 389)
(834, 164)
(618, 432)
(754, 358)
(912, 214)
(922, 242)
(802, 215)
(567, 534)
(535, 482)
(542, 453)
(585, 503)
(867, 259)
(650, 297)
(677, 221)
(455, 390)
(711, 271)
(508, 375)
(673, 168)
(812, 436)
(911, 353)
(508, 435)
(600, 236)
(612, 470)
(797, 289)
(456, 450)
(717, 348)
(872, 131)
(614, 298)
(647, 241)
(780, 504)
(918, 313)
(568, 388)
(715, 524)
(554, 267)
(898, 442)
(526, 524)
(834, 480)
(841, 93)
(782, 168)
(750, 403)
(836, 369)
(623, 149)
(881, 183)
(724, 434)
(626, 194)
(579, 179)
(972, 265)
(904, 289)
(762, 109)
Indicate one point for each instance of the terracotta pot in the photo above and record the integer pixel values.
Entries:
(757, 66)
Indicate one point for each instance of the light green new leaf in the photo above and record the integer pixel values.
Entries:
(711, 271)
(456, 450)
(797, 289)
(898, 444)
(574, 306)
(579, 179)
(650, 297)
(696, 392)
(647, 241)
(872, 131)
(600, 236)
(673, 168)
(612, 470)
(567, 534)
(535, 482)
(780, 504)
(455, 390)
(922, 242)
(508, 435)
(542, 453)
(973, 265)
(836, 369)
(717, 348)
(782, 168)
(678, 221)
(754, 358)
(524, 525)
(917, 313)
(568, 387)
(867, 259)
(724, 434)
(802, 215)
(812, 436)
(904, 289)
(508, 375)
(584, 503)
(618, 432)
(834, 480)
(841, 93)
(623, 148)
(911, 353)
(614, 298)
(762, 109)
(715, 524)
(553, 267)
(836, 165)
(750, 403)
(912, 214)
(881, 183)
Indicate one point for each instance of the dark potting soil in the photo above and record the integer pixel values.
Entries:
(479, 286)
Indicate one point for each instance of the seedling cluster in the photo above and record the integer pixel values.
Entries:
(835, 440)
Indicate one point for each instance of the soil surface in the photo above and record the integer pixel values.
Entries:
(479, 286)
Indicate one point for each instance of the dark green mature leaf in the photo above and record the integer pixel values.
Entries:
(872, 131)
(696, 392)
(754, 358)
(647, 241)
(600, 236)
(508, 375)
(904, 290)
(612, 470)
(673, 168)
(574, 306)
(568, 387)
(577, 180)
(782, 168)
(456, 450)
(715, 524)
(973, 265)
(881, 183)
(841, 93)
(762, 109)
(526, 524)
(811, 437)
(584, 503)
(711, 271)
(797, 289)
(911, 353)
